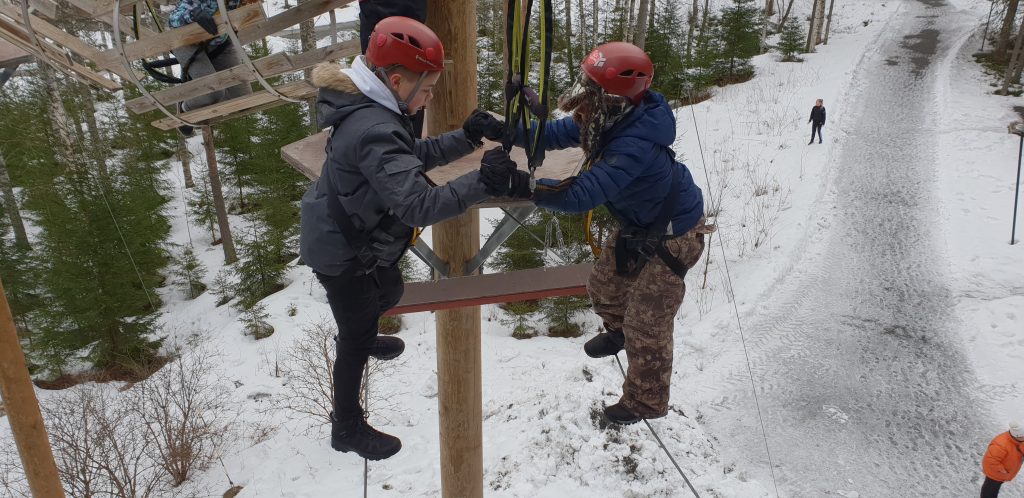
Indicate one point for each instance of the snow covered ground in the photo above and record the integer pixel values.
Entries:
(777, 199)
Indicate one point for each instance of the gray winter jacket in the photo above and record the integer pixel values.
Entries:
(377, 170)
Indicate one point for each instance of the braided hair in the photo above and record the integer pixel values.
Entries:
(593, 110)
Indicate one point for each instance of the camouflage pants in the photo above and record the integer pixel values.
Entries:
(644, 308)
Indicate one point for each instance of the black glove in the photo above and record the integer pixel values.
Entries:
(481, 124)
(496, 170)
(520, 185)
(206, 22)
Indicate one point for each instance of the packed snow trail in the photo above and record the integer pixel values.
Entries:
(864, 387)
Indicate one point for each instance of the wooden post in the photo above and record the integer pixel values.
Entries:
(23, 409)
(218, 197)
(460, 394)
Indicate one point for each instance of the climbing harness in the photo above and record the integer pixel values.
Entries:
(521, 101)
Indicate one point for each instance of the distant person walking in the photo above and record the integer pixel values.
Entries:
(817, 120)
(1002, 460)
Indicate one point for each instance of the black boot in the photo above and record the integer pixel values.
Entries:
(386, 347)
(619, 414)
(357, 436)
(605, 344)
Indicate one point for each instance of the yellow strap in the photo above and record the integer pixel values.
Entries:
(415, 235)
(588, 219)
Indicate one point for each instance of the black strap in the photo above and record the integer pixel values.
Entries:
(635, 246)
(153, 68)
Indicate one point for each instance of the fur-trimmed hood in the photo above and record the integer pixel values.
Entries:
(341, 87)
(329, 75)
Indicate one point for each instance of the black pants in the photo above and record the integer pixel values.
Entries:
(357, 302)
(372, 11)
(991, 488)
(816, 128)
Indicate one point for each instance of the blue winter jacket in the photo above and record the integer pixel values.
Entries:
(187, 11)
(632, 174)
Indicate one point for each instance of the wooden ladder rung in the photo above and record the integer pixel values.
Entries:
(269, 66)
(477, 290)
(228, 109)
(16, 34)
(163, 43)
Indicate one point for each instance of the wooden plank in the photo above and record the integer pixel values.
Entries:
(11, 55)
(46, 8)
(162, 43)
(308, 155)
(60, 37)
(269, 66)
(19, 37)
(101, 9)
(288, 18)
(301, 89)
(494, 288)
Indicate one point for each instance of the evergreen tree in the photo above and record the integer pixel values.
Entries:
(665, 49)
(703, 70)
(189, 272)
(791, 41)
(100, 242)
(741, 40)
(260, 271)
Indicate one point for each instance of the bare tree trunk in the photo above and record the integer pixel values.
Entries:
(186, 161)
(1019, 58)
(785, 15)
(653, 8)
(812, 30)
(769, 9)
(582, 12)
(570, 54)
(1015, 60)
(307, 40)
(642, 19)
(1003, 42)
(828, 25)
(11, 206)
(630, 21)
(218, 198)
(819, 20)
(691, 21)
(596, 17)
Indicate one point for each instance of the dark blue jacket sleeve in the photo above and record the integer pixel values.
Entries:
(559, 134)
(622, 161)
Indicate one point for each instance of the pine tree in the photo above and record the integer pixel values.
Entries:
(740, 39)
(791, 41)
(664, 47)
(189, 272)
(100, 238)
(260, 271)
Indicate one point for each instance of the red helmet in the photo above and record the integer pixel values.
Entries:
(405, 42)
(621, 69)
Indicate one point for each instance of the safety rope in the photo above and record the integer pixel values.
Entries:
(736, 310)
(366, 415)
(658, 438)
(521, 101)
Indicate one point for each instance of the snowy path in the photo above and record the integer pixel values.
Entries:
(863, 383)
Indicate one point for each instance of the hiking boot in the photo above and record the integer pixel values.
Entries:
(358, 437)
(618, 414)
(605, 344)
(185, 130)
(386, 347)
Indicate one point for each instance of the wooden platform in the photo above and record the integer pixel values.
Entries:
(307, 156)
(11, 55)
(523, 285)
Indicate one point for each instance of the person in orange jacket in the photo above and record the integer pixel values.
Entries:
(1003, 459)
